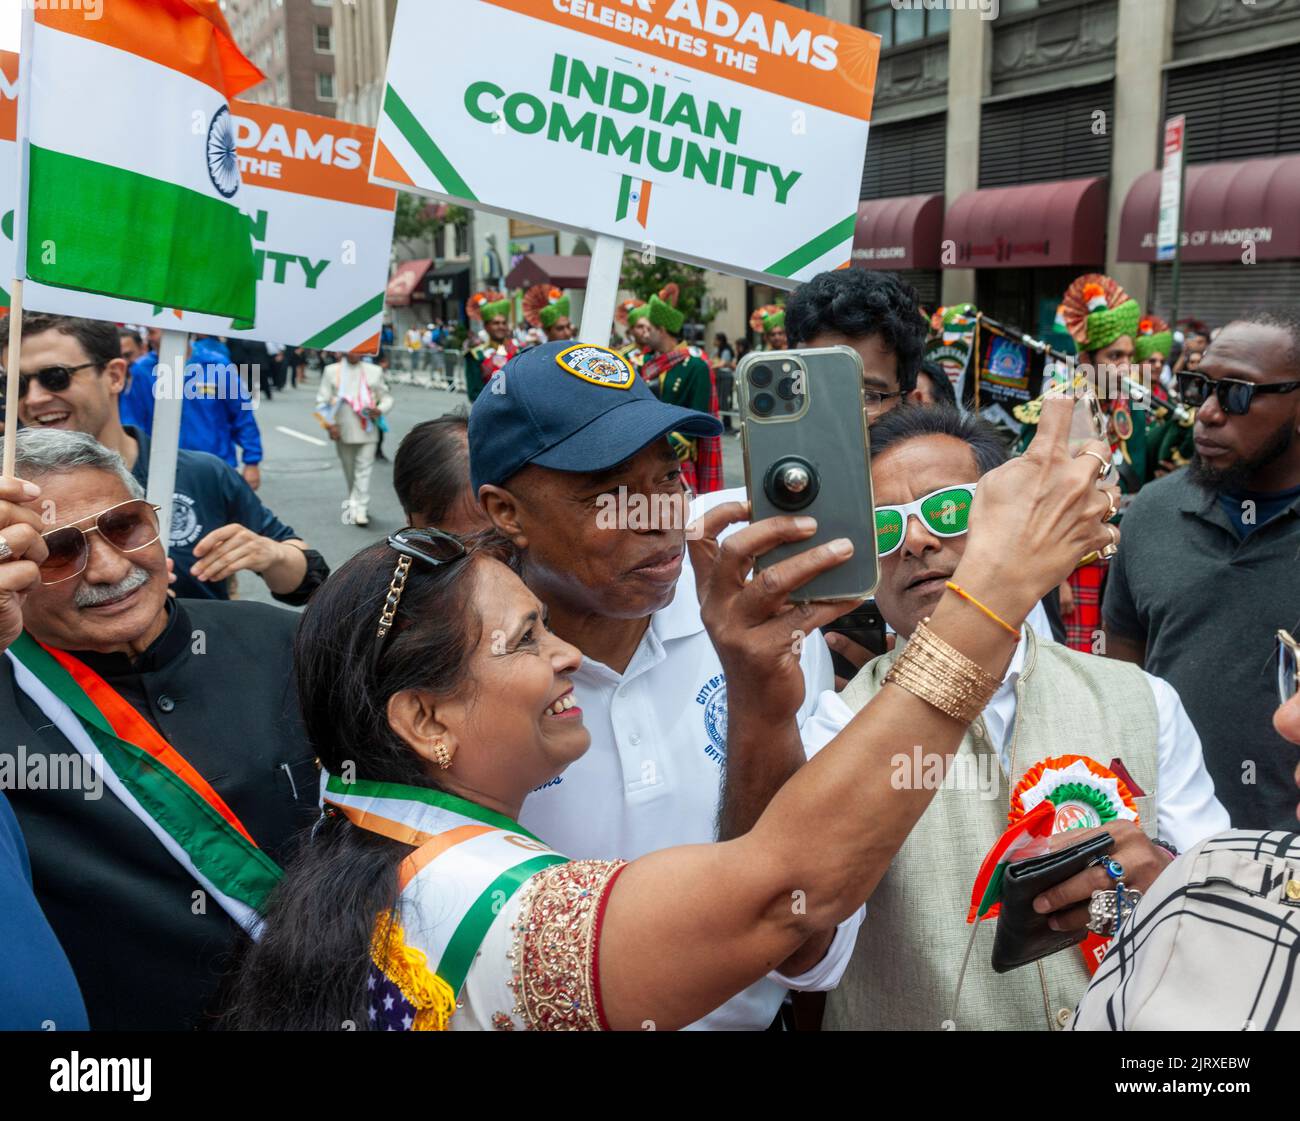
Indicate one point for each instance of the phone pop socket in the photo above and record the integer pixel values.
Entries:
(791, 483)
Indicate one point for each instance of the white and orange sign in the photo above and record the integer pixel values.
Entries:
(725, 133)
(322, 231)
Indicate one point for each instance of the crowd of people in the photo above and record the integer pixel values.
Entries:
(528, 769)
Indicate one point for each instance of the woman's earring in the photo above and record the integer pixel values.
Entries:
(441, 753)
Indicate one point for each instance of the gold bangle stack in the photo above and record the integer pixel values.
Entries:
(942, 676)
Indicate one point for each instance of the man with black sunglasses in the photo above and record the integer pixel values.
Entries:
(73, 377)
(1207, 570)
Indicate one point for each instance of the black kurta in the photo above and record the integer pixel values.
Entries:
(218, 685)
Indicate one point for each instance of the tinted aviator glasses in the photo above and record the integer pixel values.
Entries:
(944, 512)
(1234, 397)
(128, 527)
(53, 379)
(432, 547)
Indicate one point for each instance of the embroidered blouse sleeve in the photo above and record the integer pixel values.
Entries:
(555, 944)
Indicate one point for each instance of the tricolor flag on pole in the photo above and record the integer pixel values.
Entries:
(132, 190)
(633, 196)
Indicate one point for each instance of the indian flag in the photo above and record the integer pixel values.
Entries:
(133, 182)
(633, 196)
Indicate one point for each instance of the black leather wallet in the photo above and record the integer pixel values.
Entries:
(1023, 934)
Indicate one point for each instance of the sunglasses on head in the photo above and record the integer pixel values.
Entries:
(944, 512)
(1234, 396)
(1288, 667)
(428, 546)
(53, 379)
(127, 527)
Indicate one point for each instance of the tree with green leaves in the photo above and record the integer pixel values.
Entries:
(644, 277)
(418, 220)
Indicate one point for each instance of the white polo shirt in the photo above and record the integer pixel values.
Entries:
(652, 776)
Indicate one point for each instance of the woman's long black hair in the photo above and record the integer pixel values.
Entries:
(307, 972)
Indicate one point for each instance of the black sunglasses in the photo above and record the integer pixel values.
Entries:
(1234, 396)
(54, 379)
(429, 546)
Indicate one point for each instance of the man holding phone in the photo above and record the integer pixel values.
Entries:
(572, 463)
(1054, 702)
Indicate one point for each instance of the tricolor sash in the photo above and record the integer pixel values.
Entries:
(150, 777)
(468, 863)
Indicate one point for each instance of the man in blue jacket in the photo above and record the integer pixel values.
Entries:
(218, 410)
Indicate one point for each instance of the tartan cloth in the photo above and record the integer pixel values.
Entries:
(1084, 623)
(703, 471)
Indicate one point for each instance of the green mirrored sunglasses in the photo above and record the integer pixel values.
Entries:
(944, 512)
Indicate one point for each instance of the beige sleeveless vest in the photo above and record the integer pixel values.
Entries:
(903, 974)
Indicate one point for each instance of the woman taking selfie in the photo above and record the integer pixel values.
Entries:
(437, 700)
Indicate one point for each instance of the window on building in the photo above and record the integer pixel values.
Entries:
(897, 25)
(462, 239)
(325, 87)
(281, 90)
(277, 43)
(325, 39)
(1238, 108)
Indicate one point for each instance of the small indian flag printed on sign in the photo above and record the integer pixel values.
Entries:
(633, 200)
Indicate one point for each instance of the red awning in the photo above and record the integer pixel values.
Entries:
(1035, 226)
(1224, 206)
(898, 233)
(406, 279)
(549, 268)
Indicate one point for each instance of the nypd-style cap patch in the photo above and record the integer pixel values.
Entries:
(596, 364)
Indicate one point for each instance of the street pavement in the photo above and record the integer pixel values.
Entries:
(302, 481)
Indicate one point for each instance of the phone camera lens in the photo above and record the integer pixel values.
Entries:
(786, 388)
(760, 377)
(763, 404)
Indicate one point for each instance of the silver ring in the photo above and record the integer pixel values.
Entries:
(5, 551)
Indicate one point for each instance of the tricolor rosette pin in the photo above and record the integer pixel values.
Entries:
(1083, 793)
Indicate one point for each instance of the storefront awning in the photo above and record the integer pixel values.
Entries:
(549, 268)
(1225, 205)
(406, 280)
(448, 282)
(898, 233)
(1039, 225)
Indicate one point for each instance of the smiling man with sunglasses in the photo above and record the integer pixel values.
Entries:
(203, 772)
(1208, 571)
(925, 469)
(72, 378)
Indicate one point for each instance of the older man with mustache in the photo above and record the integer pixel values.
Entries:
(160, 772)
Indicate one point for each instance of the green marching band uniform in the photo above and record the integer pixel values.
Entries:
(684, 377)
(484, 360)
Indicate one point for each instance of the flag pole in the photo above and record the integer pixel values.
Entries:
(603, 279)
(169, 396)
(20, 239)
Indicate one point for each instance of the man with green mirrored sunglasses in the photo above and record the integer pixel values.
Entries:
(926, 466)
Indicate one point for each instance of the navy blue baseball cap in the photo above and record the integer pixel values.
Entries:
(570, 407)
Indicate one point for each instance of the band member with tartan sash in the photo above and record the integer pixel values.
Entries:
(681, 375)
(165, 769)
(485, 359)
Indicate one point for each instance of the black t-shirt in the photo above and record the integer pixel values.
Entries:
(1207, 603)
(208, 494)
(217, 684)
